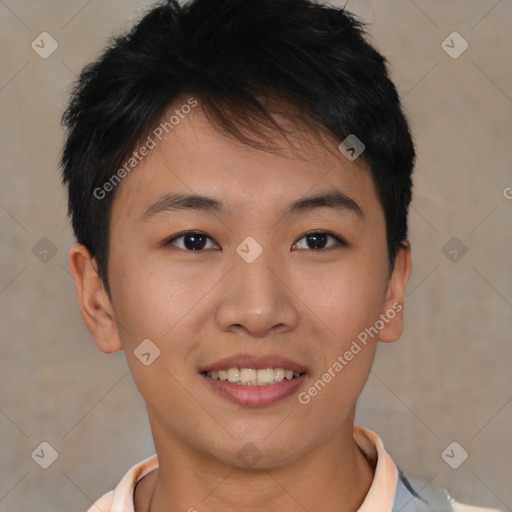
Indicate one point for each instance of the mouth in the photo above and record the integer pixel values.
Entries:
(251, 387)
(254, 381)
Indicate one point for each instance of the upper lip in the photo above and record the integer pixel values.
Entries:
(255, 362)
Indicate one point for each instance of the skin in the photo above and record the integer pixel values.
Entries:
(294, 300)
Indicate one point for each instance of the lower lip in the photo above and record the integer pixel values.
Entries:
(255, 396)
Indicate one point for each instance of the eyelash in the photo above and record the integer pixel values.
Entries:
(339, 240)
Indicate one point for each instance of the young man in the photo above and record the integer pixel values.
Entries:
(239, 178)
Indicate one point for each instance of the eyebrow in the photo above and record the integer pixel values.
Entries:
(171, 202)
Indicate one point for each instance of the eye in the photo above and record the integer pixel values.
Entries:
(318, 240)
(195, 241)
(192, 241)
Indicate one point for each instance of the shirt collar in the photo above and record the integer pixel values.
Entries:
(381, 494)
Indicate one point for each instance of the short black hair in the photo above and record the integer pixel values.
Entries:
(228, 54)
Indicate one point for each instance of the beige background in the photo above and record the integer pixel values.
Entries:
(448, 378)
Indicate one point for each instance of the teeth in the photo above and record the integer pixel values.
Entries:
(252, 377)
(233, 375)
(247, 374)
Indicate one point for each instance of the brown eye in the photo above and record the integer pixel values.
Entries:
(192, 241)
(318, 240)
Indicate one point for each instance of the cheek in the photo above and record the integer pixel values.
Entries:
(351, 303)
(347, 297)
(330, 395)
(150, 304)
(146, 300)
(347, 300)
(161, 302)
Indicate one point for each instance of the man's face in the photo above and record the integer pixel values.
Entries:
(304, 298)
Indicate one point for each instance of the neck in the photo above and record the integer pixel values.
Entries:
(333, 477)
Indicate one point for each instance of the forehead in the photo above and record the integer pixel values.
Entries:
(196, 158)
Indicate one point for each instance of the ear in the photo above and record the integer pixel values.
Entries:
(95, 305)
(392, 313)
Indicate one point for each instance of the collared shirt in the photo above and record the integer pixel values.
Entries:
(390, 491)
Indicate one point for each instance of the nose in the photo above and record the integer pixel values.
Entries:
(258, 299)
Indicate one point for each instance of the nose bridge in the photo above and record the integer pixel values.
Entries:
(257, 297)
(257, 276)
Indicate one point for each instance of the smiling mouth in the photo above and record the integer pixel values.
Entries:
(253, 377)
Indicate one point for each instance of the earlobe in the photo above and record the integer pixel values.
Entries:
(392, 313)
(95, 305)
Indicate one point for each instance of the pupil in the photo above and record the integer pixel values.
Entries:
(317, 236)
(194, 245)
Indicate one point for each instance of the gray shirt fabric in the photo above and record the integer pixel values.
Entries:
(415, 494)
